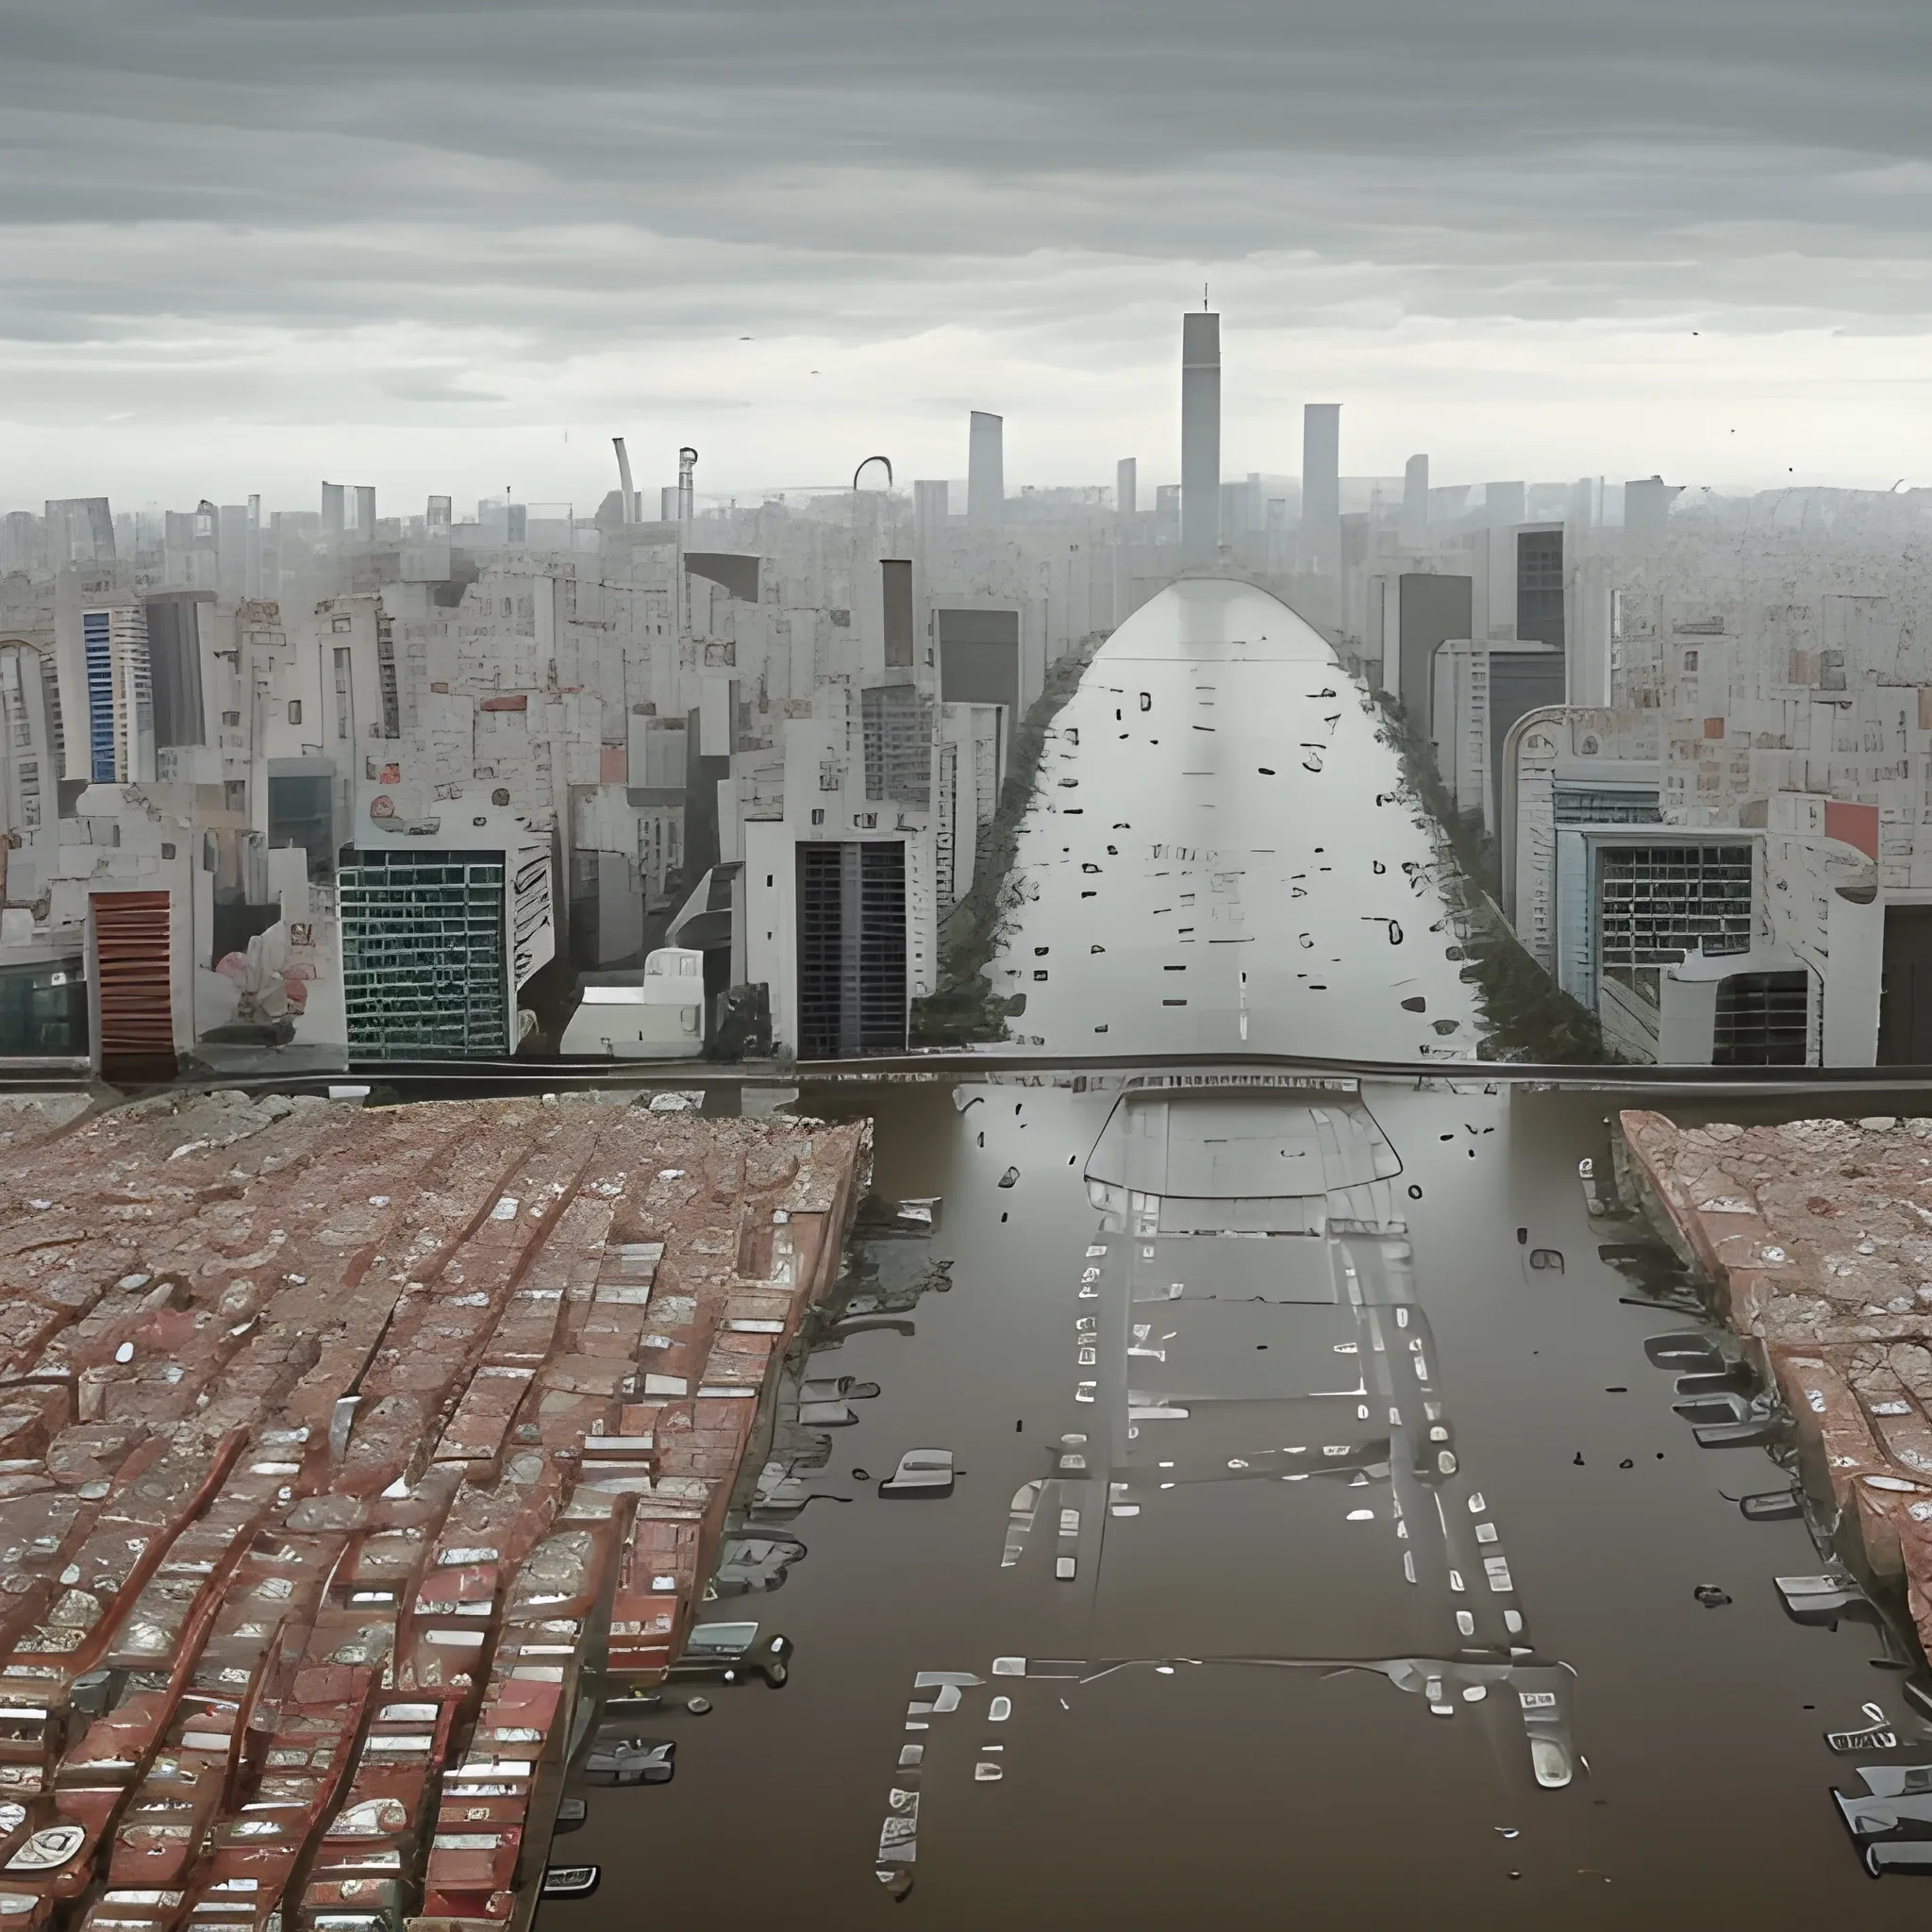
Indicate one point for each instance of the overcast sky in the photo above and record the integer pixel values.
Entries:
(247, 245)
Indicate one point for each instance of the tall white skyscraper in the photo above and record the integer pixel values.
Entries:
(120, 694)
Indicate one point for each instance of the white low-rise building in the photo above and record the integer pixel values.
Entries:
(659, 1014)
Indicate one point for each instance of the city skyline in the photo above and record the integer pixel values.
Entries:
(1102, 828)
(797, 444)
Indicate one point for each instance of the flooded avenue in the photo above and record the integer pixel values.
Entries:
(1320, 1537)
(1220, 854)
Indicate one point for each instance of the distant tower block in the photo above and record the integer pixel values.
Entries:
(687, 487)
(986, 475)
(1321, 480)
(1415, 503)
(1504, 505)
(1648, 510)
(931, 504)
(253, 569)
(1200, 436)
(627, 490)
(1126, 487)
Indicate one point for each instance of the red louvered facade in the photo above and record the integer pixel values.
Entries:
(137, 1015)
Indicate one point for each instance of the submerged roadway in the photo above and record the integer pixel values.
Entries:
(1323, 1548)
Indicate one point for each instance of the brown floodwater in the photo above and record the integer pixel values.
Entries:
(1322, 1547)
(1218, 1791)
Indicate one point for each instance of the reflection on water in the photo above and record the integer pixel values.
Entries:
(1224, 1217)
(884, 1276)
(1209, 1680)
(1223, 855)
(1165, 1427)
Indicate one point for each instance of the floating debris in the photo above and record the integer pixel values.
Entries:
(1877, 1735)
(1820, 1600)
(750, 1563)
(1891, 1822)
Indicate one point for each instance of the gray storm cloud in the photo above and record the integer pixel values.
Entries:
(353, 212)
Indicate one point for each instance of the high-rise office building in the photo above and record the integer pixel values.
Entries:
(1321, 483)
(120, 694)
(1200, 436)
(425, 959)
(985, 474)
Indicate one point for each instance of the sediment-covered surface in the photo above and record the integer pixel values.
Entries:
(1221, 854)
(1818, 1237)
(330, 1441)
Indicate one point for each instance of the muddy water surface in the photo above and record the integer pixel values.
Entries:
(1309, 1550)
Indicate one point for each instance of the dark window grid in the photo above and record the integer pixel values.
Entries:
(1660, 904)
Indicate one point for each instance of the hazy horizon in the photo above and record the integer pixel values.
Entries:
(252, 242)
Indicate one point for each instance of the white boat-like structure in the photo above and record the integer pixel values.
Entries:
(659, 1015)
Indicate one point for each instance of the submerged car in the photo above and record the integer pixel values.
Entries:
(735, 1652)
(1891, 1821)
(1821, 1601)
(921, 1473)
(748, 1563)
(824, 1402)
(628, 1760)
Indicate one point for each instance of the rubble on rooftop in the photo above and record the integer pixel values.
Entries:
(324, 1434)
(1817, 1238)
